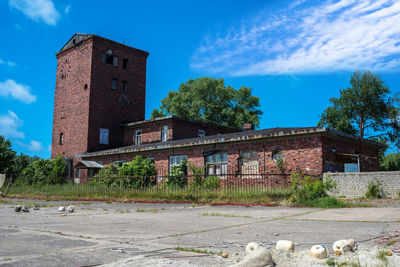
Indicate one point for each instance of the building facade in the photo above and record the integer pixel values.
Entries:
(99, 113)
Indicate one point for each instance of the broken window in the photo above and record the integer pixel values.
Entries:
(103, 136)
(276, 155)
(61, 139)
(201, 133)
(138, 137)
(110, 59)
(124, 63)
(124, 86)
(217, 163)
(114, 84)
(176, 160)
(164, 133)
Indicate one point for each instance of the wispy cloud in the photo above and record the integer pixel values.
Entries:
(307, 38)
(37, 10)
(8, 63)
(17, 91)
(9, 124)
(34, 145)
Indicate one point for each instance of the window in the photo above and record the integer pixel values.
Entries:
(77, 173)
(176, 160)
(110, 59)
(201, 133)
(103, 136)
(276, 155)
(217, 163)
(138, 137)
(164, 133)
(114, 84)
(124, 63)
(61, 139)
(123, 86)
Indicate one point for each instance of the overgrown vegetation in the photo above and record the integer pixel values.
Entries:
(374, 190)
(197, 250)
(177, 176)
(44, 171)
(309, 191)
(137, 173)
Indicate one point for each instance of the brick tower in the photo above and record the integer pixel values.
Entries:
(99, 84)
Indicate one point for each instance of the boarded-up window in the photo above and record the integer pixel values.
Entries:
(103, 136)
(249, 163)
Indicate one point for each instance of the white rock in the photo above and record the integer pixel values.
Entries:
(260, 257)
(251, 247)
(61, 209)
(319, 251)
(71, 209)
(285, 244)
(342, 246)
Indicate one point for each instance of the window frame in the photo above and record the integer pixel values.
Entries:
(201, 133)
(114, 84)
(180, 157)
(124, 86)
(217, 164)
(61, 140)
(164, 132)
(104, 136)
(137, 132)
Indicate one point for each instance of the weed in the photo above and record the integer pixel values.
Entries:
(7, 259)
(392, 242)
(382, 257)
(196, 250)
(331, 262)
(225, 215)
(374, 190)
(151, 210)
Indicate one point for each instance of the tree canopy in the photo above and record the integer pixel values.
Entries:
(210, 100)
(366, 109)
(7, 156)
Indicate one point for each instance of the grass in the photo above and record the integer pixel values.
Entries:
(326, 202)
(156, 193)
(151, 210)
(196, 250)
(383, 257)
(225, 215)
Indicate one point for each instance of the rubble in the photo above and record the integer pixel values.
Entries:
(61, 209)
(344, 246)
(25, 209)
(256, 256)
(18, 208)
(71, 209)
(319, 251)
(285, 244)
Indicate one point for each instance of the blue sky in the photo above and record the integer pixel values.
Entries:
(294, 54)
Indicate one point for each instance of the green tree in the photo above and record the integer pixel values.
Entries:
(210, 100)
(390, 162)
(366, 110)
(7, 156)
(21, 162)
(58, 173)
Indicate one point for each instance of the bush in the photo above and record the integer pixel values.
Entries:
(137, 173)
(177, 176)
(306, 189)
(374, 190)
(212, 182)
(45, 171)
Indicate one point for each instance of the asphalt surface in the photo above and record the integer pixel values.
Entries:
(101, 233)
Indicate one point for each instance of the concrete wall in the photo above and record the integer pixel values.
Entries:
(355, 184)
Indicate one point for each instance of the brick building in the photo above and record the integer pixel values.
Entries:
(99, 112)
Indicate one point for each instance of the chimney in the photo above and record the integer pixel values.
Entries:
(247, 127)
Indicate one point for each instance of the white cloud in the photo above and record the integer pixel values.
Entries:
(9, 124)
(37, 10)
(18, 91)
(8, 63)
(32, 146)
(307, 38)
(67, 9)
(35, 146)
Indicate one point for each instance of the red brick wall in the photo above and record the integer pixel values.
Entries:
(177, 129)
(300, 155)
(71, 109)
(105, 110)
(151, 132)
(84, 101)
